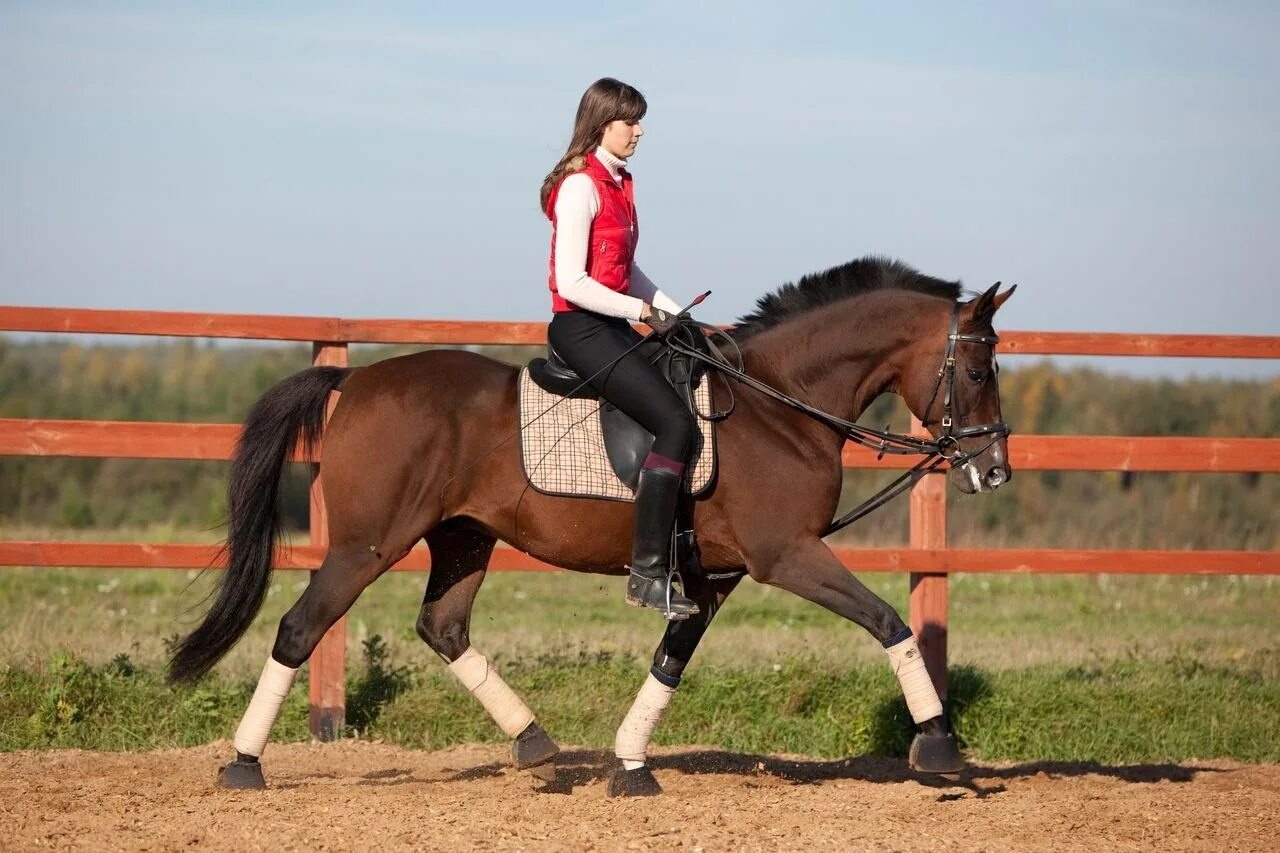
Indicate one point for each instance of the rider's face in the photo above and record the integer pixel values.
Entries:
(621, 137)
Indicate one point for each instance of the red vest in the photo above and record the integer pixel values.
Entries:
(614, 233)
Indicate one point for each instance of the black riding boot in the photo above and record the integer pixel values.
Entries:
(650, 582)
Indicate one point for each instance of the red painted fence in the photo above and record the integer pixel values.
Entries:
(928, 559)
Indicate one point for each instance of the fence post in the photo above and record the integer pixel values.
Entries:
(929, 589)
(329, 661)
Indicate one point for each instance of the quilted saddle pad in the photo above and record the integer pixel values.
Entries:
(562, 445)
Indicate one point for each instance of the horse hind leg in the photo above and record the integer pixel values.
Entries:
(459, 559)
(333, 589)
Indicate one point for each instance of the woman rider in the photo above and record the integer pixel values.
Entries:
(596, 289)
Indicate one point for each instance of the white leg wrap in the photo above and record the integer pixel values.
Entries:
(264, 707)
(917, 687)
(507, 709)
(632, 742)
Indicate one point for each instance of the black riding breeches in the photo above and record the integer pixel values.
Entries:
(587, 342)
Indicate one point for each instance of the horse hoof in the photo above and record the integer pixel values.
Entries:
(634, 783)
(533, 750)
(935, 754)
(241, 775)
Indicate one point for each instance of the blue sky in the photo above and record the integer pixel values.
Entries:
(1116, 159)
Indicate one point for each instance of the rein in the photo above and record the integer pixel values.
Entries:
(945, 448)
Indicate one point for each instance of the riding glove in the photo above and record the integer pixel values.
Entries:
(662, 322)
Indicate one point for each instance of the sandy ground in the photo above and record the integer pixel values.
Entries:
(358, 796)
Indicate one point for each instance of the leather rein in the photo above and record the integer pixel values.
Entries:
(945, 448)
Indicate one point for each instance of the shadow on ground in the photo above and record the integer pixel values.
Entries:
(891, 733)
(577, 768)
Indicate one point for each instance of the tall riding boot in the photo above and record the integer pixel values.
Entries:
(650, 582)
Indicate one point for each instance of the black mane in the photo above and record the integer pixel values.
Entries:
(847, 280)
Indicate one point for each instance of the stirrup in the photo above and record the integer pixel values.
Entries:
(660, 594)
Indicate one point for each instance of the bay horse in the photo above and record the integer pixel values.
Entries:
(409, 454)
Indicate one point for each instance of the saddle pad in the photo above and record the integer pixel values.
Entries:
(562, 445)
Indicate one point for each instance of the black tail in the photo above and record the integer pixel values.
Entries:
(293, 409)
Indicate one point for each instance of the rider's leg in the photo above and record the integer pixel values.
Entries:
(649, 582)
(592, 345)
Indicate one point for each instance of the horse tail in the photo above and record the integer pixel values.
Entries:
(291, 410)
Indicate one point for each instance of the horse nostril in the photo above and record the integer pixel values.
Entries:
(995, 477)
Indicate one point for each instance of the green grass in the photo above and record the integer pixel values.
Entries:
(69, 703)
(997, 622)
(1123, 712)
(1105, 668)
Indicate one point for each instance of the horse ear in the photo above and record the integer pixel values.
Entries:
(1002, 298)
(980, 310)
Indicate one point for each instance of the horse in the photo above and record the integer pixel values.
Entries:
(418, 447)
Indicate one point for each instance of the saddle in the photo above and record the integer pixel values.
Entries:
(560, 418)
(626, 442)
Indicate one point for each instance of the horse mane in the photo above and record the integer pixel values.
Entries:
(856, 278)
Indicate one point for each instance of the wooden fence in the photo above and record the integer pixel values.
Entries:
(927, 559)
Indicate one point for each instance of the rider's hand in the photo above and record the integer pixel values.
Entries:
(662, 322)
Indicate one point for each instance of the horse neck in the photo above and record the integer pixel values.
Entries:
(840, 358)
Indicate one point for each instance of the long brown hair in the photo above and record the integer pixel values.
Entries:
(604, 101)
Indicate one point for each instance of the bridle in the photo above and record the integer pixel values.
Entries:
(945, 448)
(950, 438)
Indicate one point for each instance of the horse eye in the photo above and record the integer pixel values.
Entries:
(977, 375)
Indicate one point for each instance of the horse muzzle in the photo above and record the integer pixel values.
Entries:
(982, 469)
(973, 476)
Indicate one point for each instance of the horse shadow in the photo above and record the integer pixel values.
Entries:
(577, 768)
(890, 734)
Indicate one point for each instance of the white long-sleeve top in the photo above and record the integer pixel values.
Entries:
(577, 204)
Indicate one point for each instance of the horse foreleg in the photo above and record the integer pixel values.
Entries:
(459, 558)
(812, 572)
(633, 778)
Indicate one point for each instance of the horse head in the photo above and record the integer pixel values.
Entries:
(953, 388)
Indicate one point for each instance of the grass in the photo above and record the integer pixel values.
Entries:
(67, 703)
(1123, 712)
(1104, 668)
(997, 621)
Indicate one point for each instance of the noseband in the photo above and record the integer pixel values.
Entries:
(945, 448)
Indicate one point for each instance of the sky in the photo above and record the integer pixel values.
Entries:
(1118, 160)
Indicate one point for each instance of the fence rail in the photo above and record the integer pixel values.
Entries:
(928, 559)
(940, 560)
(158, 440)
(337, 330)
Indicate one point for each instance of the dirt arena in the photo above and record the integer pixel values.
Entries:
(352, 795)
